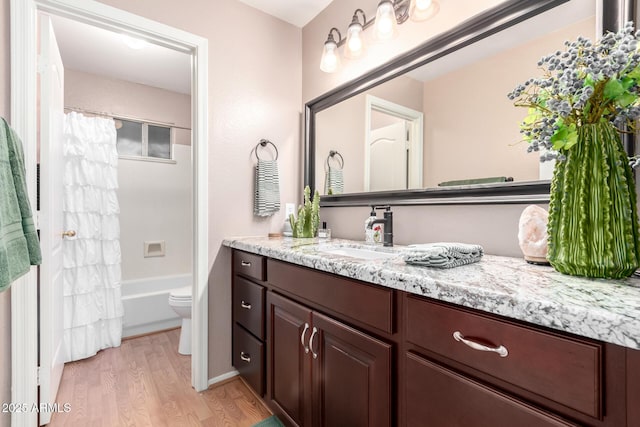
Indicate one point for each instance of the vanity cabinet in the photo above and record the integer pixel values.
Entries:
(248, 296)
(323, 372)
(326, 350)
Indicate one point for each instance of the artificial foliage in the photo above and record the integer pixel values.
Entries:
(308, 220)
(589, 93)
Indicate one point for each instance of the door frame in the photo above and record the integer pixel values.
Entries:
(416, 126)
(24, 315)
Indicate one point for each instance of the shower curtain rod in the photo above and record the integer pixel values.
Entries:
(123, 117)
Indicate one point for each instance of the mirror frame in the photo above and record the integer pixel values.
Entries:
(493, 20)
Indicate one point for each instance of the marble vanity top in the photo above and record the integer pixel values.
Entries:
(606, 310)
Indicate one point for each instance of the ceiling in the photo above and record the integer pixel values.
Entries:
(94, 50)
(296, 12)
(102, 52)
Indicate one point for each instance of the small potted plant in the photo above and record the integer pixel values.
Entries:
(308, 220)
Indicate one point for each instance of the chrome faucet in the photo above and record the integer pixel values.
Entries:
(387, 221)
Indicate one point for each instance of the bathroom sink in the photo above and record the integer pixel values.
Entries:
(362, 253)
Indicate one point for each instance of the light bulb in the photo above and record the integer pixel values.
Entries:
(386, 22)
(423, 4)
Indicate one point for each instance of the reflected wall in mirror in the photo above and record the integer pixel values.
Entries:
(470, 129)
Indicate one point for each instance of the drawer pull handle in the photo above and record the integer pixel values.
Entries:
(245, 263)
(245, 305)
(304, 331)
(313, 334)
(501, 350)
(245, 357)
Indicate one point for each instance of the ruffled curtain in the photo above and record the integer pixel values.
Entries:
(91, 260)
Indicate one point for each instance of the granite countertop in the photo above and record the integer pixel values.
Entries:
(606, 310)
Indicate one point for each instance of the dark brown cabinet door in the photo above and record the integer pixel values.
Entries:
(288, 362)
(439, 397)
(351, 376)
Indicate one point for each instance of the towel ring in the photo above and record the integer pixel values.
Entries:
(263, 143)
(334, 153)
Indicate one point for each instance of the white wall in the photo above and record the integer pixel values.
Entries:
(155, 198)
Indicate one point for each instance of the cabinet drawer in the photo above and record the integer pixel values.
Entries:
(442, 398)
(565, 370)
(248, 358)
(248, 305)
(250, 265)
(368, 304)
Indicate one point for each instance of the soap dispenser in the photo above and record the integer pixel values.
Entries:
(369, 232)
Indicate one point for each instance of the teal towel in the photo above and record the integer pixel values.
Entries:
(19, 246)
(272, 421)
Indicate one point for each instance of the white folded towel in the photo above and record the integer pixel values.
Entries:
(333, 181)
(442, 254)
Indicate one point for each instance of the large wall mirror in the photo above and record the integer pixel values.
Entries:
(435, 125)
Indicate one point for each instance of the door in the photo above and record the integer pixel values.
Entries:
(389, 158)
(51, 227)
(351, 376)
(288, 359)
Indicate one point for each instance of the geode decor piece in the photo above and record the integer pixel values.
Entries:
(532, 234)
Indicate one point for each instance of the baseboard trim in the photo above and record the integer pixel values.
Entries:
(222, 378)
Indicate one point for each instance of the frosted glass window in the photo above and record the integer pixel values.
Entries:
(130, 138)
(159, 142)
(143, 140)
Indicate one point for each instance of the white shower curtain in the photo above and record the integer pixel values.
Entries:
(91, 260)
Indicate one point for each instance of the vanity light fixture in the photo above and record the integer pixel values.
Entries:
(330, 61)
(389, 14)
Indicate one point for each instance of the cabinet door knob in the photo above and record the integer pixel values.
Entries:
(313, 334)
(501, 350)
(245, 263)
(245, 357)
(245, 305)
(304, 331)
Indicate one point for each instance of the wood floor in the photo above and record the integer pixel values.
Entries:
(146, 382)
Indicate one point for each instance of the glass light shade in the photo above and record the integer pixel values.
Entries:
(421, 10)
(355, 45)
(386, 23)
(133, 42)
(330, 59)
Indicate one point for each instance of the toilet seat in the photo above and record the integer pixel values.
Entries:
(181, 293)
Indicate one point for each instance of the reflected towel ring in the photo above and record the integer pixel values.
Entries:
(263, 143)
(334, 153)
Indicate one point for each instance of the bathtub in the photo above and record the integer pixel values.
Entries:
(146, 304)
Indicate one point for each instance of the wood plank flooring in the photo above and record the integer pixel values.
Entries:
(146, 382)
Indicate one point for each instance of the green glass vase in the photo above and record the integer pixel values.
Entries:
(593, 218)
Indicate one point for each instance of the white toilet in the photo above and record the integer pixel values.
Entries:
(180, 301)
